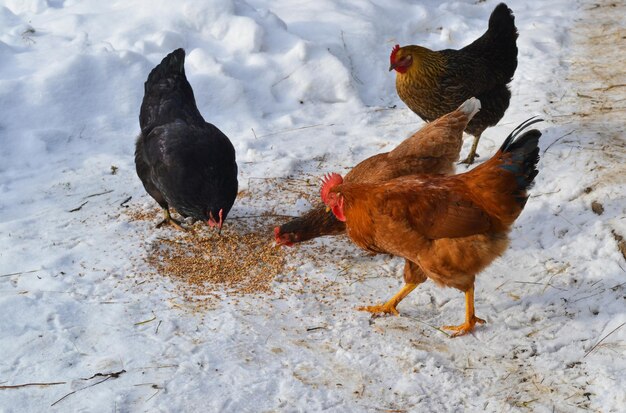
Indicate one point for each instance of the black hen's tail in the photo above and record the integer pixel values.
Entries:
(173, 64)
(502, 24)
(520, 156)
(168, 95)
(498, 44)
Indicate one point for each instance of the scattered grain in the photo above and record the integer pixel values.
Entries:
(206, 266)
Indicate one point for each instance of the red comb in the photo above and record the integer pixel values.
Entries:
(392, 58)
(328, 182)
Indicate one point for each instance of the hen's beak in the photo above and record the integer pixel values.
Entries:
(327, 209)
(219, 224)
(392, 66)
(212, 222)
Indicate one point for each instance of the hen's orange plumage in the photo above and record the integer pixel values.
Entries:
(448, 228)
(434, 149)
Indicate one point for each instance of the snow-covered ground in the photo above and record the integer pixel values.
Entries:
(301, 88)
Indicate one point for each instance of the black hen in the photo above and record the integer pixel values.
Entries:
(183, 161)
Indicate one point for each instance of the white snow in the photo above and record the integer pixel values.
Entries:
(302, 89)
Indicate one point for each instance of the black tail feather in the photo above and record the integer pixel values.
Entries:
(513, 135)
(168, 95)
(499, 43)
(502, 20)
(520, 156)
(172, 64)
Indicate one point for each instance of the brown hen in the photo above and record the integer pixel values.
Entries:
(434, 149)
(448, 228)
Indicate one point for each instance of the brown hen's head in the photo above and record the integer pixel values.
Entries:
(285, 238)
(333, 199)
(400, 60)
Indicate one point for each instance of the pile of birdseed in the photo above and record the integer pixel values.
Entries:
(204, 264)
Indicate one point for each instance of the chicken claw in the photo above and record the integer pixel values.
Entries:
(472, 153)
(465, 328)
(470, 159)
(168, 220)
(470, 317)
(390, 306)
(378, 310)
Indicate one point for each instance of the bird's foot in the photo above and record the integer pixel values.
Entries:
(378, 310)
(171, 221)
(466, 327)
(470, 159)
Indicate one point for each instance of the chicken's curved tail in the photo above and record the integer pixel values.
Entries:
(168, 96)
(501, 184)
(172, 64)
(502, 22)
(498, 44)
(520, 155)
(504, 33)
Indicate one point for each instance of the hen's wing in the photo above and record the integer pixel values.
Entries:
(435, 207)
(144, 171)
(193, 167)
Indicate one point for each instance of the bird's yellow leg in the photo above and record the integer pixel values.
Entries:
(470, 317)
(472, 153)
(390, 306)
(168, 220)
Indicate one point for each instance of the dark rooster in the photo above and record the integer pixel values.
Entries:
(433, 83)
(447, 228)
(183, 161)
(431, 150)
